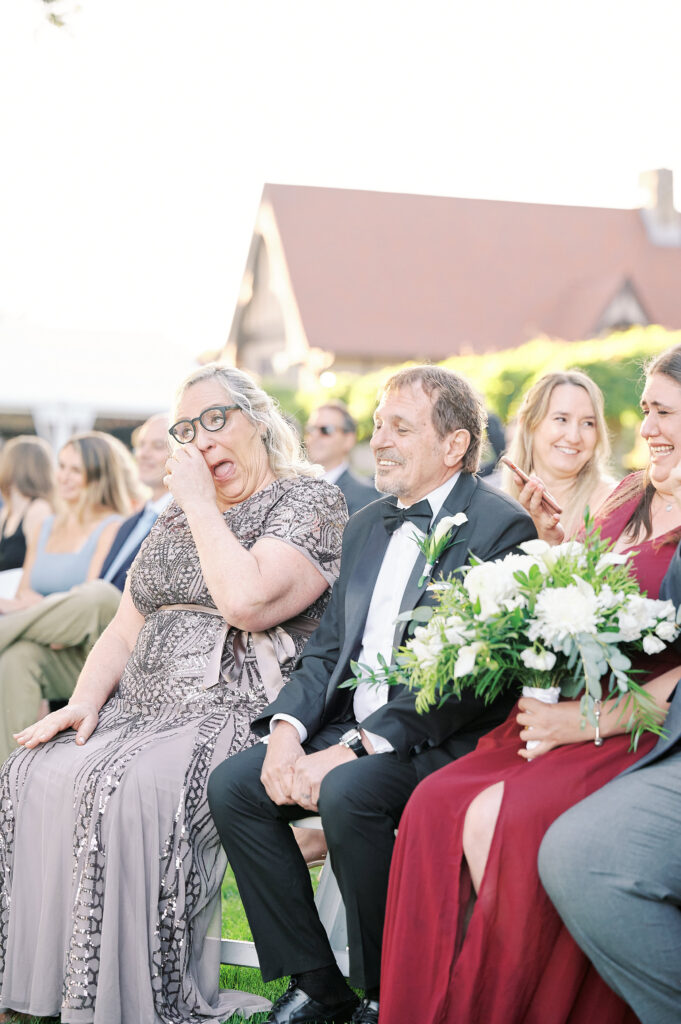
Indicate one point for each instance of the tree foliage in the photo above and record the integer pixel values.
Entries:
(614, 362)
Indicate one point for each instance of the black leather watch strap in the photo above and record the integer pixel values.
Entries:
(352, 739)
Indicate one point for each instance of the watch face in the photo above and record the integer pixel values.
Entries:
(351, 736)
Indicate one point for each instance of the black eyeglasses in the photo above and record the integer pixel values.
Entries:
(327, 431)
(214, 418)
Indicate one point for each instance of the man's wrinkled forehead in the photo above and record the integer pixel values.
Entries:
(405, 401)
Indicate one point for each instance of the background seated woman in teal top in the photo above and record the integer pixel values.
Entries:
(96, 487)
(93, 493)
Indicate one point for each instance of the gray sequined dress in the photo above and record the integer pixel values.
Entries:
(110, 867)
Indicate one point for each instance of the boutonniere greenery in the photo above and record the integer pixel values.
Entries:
(437, 541)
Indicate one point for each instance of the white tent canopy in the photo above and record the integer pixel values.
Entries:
(67, 379)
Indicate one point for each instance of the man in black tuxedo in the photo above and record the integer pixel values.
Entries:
(612, 866)
(426, 443)
(330, 436)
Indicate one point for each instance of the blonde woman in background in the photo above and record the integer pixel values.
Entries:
(94, 491)
(94, 480)
(560, 442)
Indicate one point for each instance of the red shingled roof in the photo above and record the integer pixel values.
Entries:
(407, 275)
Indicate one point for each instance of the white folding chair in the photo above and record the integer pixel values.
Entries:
(329, 907)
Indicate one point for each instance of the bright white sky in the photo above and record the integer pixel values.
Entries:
(135, 143)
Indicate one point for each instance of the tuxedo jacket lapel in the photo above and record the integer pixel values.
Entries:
(361, 587)
(458, 500)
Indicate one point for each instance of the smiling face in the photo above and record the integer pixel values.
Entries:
(70, 475)
(661, 427)
(566, 438)
(411, 460)
(235, 454)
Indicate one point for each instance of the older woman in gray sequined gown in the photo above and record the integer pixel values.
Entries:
(110, 867)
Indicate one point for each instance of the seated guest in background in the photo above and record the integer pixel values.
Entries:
(116, 892)
(426, 443)
(45, 652)
(612, 864)
(150, 450)
(330, 436)
(561, 441)
(479, 822)
(70, 547)
(27, 489)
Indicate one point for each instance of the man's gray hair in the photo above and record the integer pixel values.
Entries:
(456, 405)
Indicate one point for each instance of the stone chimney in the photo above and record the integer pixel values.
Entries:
(662, 221)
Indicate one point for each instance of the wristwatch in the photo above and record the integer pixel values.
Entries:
(352, 739)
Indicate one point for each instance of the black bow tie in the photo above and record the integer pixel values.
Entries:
(419, 514)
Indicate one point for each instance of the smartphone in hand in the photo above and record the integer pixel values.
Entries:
(547, 501)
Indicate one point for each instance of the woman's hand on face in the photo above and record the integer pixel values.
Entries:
(82, 717)
(552, 725)
(188, 478)
(547, 522)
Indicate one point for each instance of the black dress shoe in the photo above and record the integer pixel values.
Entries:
(296, 1007)
(366, 1012)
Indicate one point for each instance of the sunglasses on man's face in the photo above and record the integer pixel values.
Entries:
(214, 418)
(326, 431)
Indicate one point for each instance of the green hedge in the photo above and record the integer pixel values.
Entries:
(615, 362)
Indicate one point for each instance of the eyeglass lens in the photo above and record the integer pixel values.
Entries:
(214, 418)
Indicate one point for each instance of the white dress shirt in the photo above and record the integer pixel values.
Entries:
(379, 629)
(332, 476)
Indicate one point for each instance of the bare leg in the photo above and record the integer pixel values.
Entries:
(312, 843)
(478, 830)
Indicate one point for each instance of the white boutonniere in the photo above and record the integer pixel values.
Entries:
(437, 541)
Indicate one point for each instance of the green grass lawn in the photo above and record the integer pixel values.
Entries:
(235, 926)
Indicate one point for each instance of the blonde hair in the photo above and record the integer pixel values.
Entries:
(284, 451)
(532, 411)
(111, 480)
(26, 463)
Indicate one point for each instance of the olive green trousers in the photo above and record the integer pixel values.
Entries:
(43, 649)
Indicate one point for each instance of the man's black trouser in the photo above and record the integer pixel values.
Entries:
(360, 804)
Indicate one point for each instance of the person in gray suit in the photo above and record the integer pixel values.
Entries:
(330, 436)
(612, 867)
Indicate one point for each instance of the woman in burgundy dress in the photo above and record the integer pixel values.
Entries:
(477, 824)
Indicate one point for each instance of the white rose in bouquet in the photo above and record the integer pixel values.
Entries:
(494, 585)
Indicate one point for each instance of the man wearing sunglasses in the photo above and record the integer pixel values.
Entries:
(330, 436)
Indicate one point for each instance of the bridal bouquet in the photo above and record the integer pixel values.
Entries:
(570, 616)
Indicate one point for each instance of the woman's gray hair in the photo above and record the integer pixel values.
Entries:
(284, 450)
